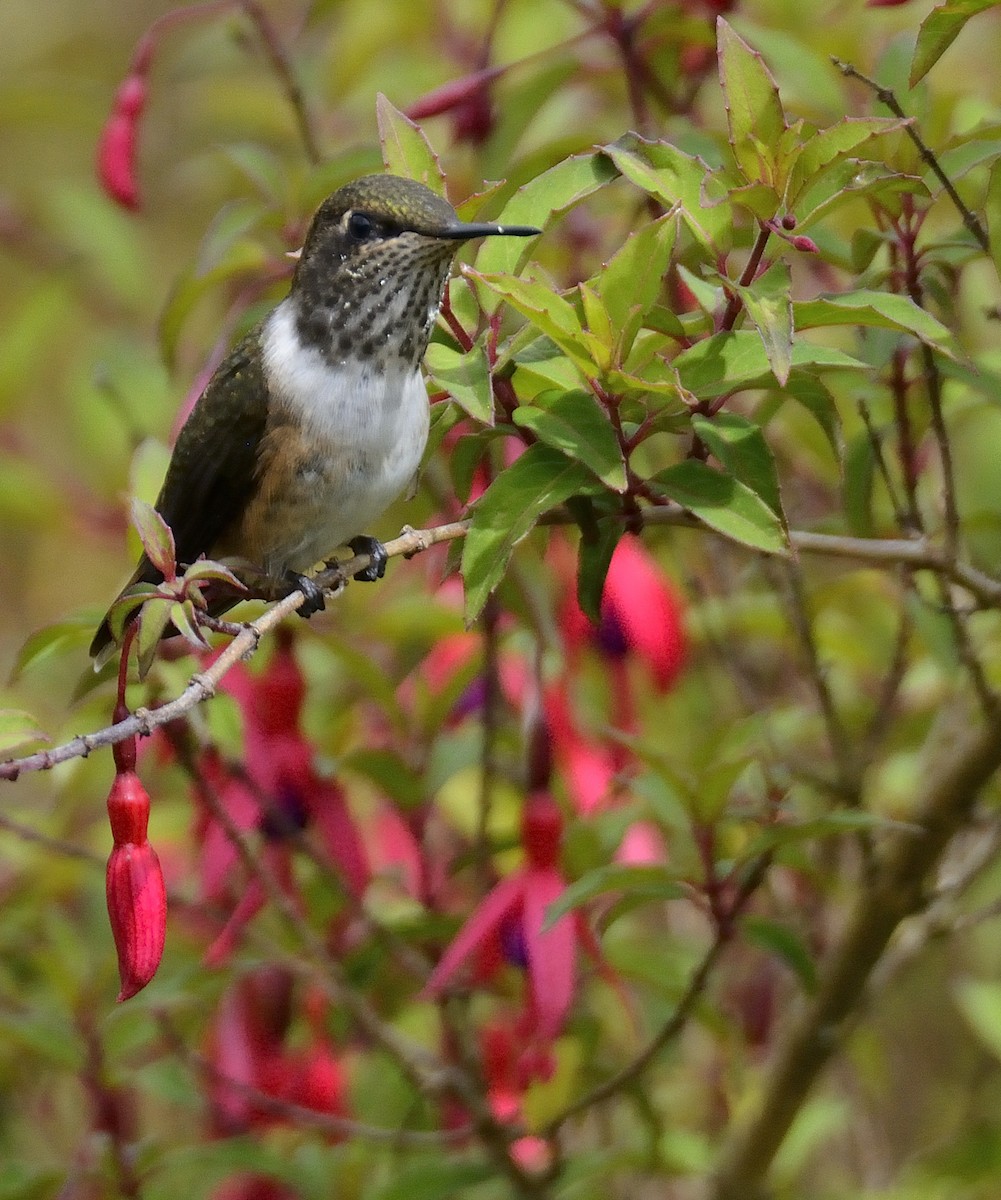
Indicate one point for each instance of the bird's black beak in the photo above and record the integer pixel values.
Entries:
(462, 231)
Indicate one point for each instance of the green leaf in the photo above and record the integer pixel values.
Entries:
(465, 375)
(536, 482)
(182, 617)
(979, 1001)
(593, 559)
(836, 823)
(741, 448)
(939, 30)
(818, 401)
(576, 423)
(768, 303)
(631, 282)
(388, 769)
(675, 179)
(724, 504)
(652, 883)
(727, 361)
(208, 569)
(126, 604)
(882, 310)
(831, 145)
(753, 108)
(786, 943)
(156, 537)
(438, 1178)
(600, 337)
(153, 621)
(992, 208)
(244, 258)
(848, 179)
(52, 640)
(548, 311)
(857, 485)
(18, 729)
(548, 195)
(405, 149)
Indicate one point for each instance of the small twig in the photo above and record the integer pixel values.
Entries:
(837, 736)
(286, 76)
(734, 303)
(55, 845)
(683, 1009)
(876, 443)
(885, 96)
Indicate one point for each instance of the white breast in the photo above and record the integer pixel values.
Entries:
(369, 428)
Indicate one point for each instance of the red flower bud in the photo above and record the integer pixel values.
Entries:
(116, 151)
(128, 809)
(806, 244)
(137, 909)
(452, 95)
(137, 898)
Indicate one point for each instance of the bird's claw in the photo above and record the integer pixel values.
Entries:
(314, 601)
(376, 552)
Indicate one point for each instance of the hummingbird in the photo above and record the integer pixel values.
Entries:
(318, 419)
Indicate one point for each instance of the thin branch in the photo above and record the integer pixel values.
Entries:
(917, 553)
(55, 845)
(886, 96)
(734, 303)
(286, 76)
(836, 733)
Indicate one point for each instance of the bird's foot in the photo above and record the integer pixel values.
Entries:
(314, 601)
(376, 552)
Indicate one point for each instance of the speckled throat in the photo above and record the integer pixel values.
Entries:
(378, 305)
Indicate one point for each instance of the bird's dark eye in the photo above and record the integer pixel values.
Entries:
(360, 227)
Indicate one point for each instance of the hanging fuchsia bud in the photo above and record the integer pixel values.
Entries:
(806, 244)
(137, 898)
(116, 149)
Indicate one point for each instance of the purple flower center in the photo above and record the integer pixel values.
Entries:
(287, 814)
(610, 636)
(472, 699)
(512, 938)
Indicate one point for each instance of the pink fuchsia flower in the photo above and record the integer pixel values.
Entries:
(515, 909)
(642, 845)
(510, 1065)
(588, 767)
(642, 616)
(249, 1050)
(280, 764)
